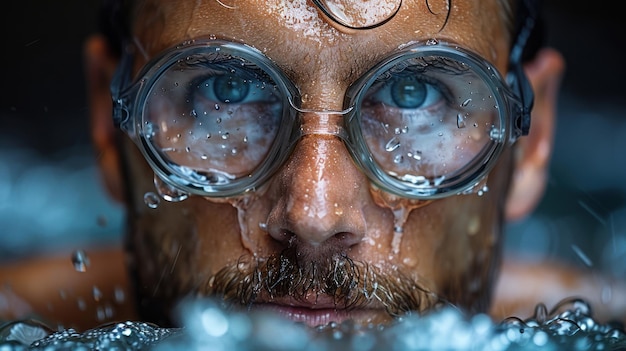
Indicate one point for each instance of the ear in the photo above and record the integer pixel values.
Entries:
(532, 153)
(100, 66)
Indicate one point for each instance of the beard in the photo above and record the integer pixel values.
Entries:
(350, 284)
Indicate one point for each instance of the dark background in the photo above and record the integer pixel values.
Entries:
(50, 192)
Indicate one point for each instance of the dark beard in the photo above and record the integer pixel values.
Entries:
(351, 284)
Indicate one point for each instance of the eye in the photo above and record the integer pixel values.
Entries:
(229, 88)
(408, 92)
(223, 88)
(232, 89)
(404, 92)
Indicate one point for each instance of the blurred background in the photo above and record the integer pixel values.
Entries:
(51, 196)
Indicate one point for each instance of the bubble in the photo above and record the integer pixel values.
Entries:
(80, 260)
(214, 322)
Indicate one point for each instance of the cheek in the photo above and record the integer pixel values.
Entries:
(446, 239)
(219, 237)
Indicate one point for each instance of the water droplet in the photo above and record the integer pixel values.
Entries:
(82, 305)
(226, 135)
(168, 192)
(460, 121)
(80, 261)
(466, 102)
(398, 159)
(151, 199)
(217, 107)
(100, 313)
(482, 190)
(432, 42)
(97, 294)
(417, 155)
(218, 120)
(338, 209)
(392, 144)
(119, 295)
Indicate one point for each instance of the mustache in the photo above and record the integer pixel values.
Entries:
(351, 284)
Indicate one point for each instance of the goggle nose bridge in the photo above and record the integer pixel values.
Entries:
(321, 122)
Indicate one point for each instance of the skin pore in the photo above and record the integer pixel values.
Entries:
(317, 242)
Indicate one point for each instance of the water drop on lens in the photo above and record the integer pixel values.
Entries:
(392, 144)
(466, 102)
(417, 155)
(460, 121)
(80, 261)
(151, 199)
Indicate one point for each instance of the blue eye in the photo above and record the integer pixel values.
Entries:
(231, 89)
(404, 91)
(408, 92)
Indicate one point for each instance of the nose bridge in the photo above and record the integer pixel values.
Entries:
(319, 186)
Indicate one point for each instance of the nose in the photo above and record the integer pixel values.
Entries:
(320, 196)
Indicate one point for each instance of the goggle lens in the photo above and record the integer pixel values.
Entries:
(212, 117)
(427, 120)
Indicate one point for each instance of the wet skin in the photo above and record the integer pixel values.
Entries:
(319, 209)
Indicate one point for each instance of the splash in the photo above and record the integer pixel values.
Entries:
(568, 326)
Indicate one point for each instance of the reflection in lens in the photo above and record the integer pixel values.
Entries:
(428, 119)
(212, 118)
(361, 14)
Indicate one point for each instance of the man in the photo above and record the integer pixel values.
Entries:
(320, 159)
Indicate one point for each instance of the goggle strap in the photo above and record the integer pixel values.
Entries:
(518, 80)
(121, 78)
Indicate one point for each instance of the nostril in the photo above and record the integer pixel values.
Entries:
(284, 236)
(347, 239)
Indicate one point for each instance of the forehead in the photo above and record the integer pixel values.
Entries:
(307, 46)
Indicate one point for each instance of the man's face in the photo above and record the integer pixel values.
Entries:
(318, 242)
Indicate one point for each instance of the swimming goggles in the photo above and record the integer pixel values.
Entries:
(218, 119)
